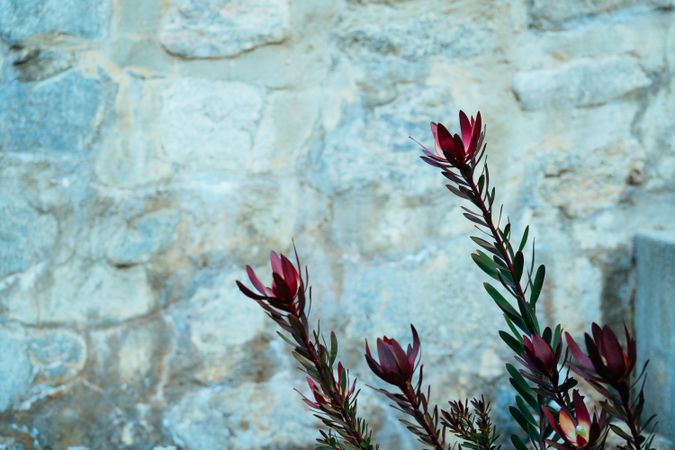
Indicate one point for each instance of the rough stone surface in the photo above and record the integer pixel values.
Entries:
(82, 294)
(26, 236)
(22, 19)
(560, 14)
(28, 122)
(195, 428)
(15, 368)
(223, 112)
(582, 82)
(654, 319)
(217, 28)
(150, 149)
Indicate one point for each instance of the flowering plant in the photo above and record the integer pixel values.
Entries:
(548, 406)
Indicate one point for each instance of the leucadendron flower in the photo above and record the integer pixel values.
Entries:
(577, 429)
(606, 362)
(395, 366)
(539, 357)
(455, 150)
(284, 294)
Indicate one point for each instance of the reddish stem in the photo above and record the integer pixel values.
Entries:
(487, 215)
(421, 416)
(337, 403)
(630, 419)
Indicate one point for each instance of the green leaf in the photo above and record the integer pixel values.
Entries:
(528, 317)
(517, 443)
(537, 285)
(485, 244)
(621, 433)
(513, 329)
(515, 412)
(504, 305)
(475, 219)
(518, 382)
(556, 336)
(522, 406)
(485, 263)
(333, 347)
(518, 263)
(513, 343)
(523, 240)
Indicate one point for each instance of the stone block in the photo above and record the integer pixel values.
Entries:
(580, 82)
(140, 238)
(655, 323)
(223, 28)
(28, 118)
(26, 236)
(21, 19)
(15, 368)
(222, 118)
(250, 415)
(57, 355)
(556, 15)
(81, 293)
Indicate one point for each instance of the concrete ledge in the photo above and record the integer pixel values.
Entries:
(655, 323)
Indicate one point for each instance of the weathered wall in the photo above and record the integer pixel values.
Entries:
(151, 148)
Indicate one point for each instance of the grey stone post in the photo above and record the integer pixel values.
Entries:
(655, 324)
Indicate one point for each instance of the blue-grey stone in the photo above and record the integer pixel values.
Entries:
(559, 15)
(581, 82)
(15, 369)
(655, 323)
(25, 236)
(221, 28)
(21, 19)
(143, 237)
(57, 355)
(60, 114)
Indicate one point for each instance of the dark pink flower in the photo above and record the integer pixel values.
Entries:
(455, 150)
(577, 428)
(606, 361)
(286, 284)
(395, 366)
(539, 357)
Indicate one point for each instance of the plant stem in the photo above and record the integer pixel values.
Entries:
(630, 419)
(467, 174)
(487, 216)
(347, 418)
(422, 416)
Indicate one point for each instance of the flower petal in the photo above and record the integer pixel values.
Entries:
(290, 274)
(254, 280)
(412, 355)
(613, 353)
(567, 426)
(465, 127)
(275, 260)
(583, 417)
(249, 293)
(444, 139)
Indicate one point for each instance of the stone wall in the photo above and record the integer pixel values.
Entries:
(149, 149)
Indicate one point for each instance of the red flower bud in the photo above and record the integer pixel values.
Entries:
(606, 361)
(455, 150)
(539, 357)
(286, 285)
(395, 366)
